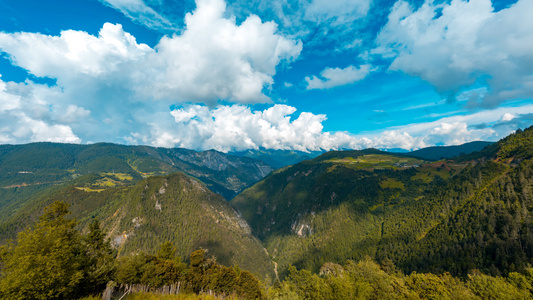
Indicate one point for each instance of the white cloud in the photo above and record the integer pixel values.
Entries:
(333, 77)
(508, 117)
(457, 133)
(391, 139)
(41, 131)
(73, 53)
(467, 42)
(238, 127)
(20, 122)
(213, 58)
(216, 59)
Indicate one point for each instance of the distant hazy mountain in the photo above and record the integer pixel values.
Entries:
(278, 158)
(443, 152)
(43, 163)
(26, 170)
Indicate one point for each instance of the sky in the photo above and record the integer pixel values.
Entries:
(265, 74)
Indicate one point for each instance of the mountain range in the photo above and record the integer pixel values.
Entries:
(472, 211)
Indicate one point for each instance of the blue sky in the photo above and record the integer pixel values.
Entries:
(277, 74)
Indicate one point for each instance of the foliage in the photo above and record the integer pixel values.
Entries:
(203, 274)
(51, 260)
(368, 280)
(173, 208)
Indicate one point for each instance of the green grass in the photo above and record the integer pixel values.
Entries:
(390, 183)
(378, 161)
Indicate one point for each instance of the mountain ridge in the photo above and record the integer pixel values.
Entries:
(349, 204)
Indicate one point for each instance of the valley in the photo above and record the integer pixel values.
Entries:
(471, 212)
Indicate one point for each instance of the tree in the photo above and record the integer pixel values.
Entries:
(167, 251)
(46, 261)
(100, 259)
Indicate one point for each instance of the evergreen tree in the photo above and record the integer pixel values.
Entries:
(99, 261)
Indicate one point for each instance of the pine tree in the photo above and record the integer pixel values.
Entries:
(99, 264)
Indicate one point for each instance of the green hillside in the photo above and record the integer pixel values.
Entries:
(333, 207)
(29, 169)
(141, 217)
(473, 212)
(41, 163)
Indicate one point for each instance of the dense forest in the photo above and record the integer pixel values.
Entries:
(52, 260)
(141, 216)
(470, 212)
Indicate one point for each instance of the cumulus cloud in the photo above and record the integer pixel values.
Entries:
(73, 53)
(212, 59)
(238, 127)
(18, 124)
(333, 77)
(25, 116)
(216, 59)
(455, 45)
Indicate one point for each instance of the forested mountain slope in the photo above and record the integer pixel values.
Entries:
(141, 217)
(26, 170)
(451, 215)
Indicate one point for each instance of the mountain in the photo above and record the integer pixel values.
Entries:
(332, 208)
(278, 158)
(33, 168)
(142, 216)
(473, 212)
(444, 152)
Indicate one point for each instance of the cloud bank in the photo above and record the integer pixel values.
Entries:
(238, 127)
(110, 87)
(26, 117)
